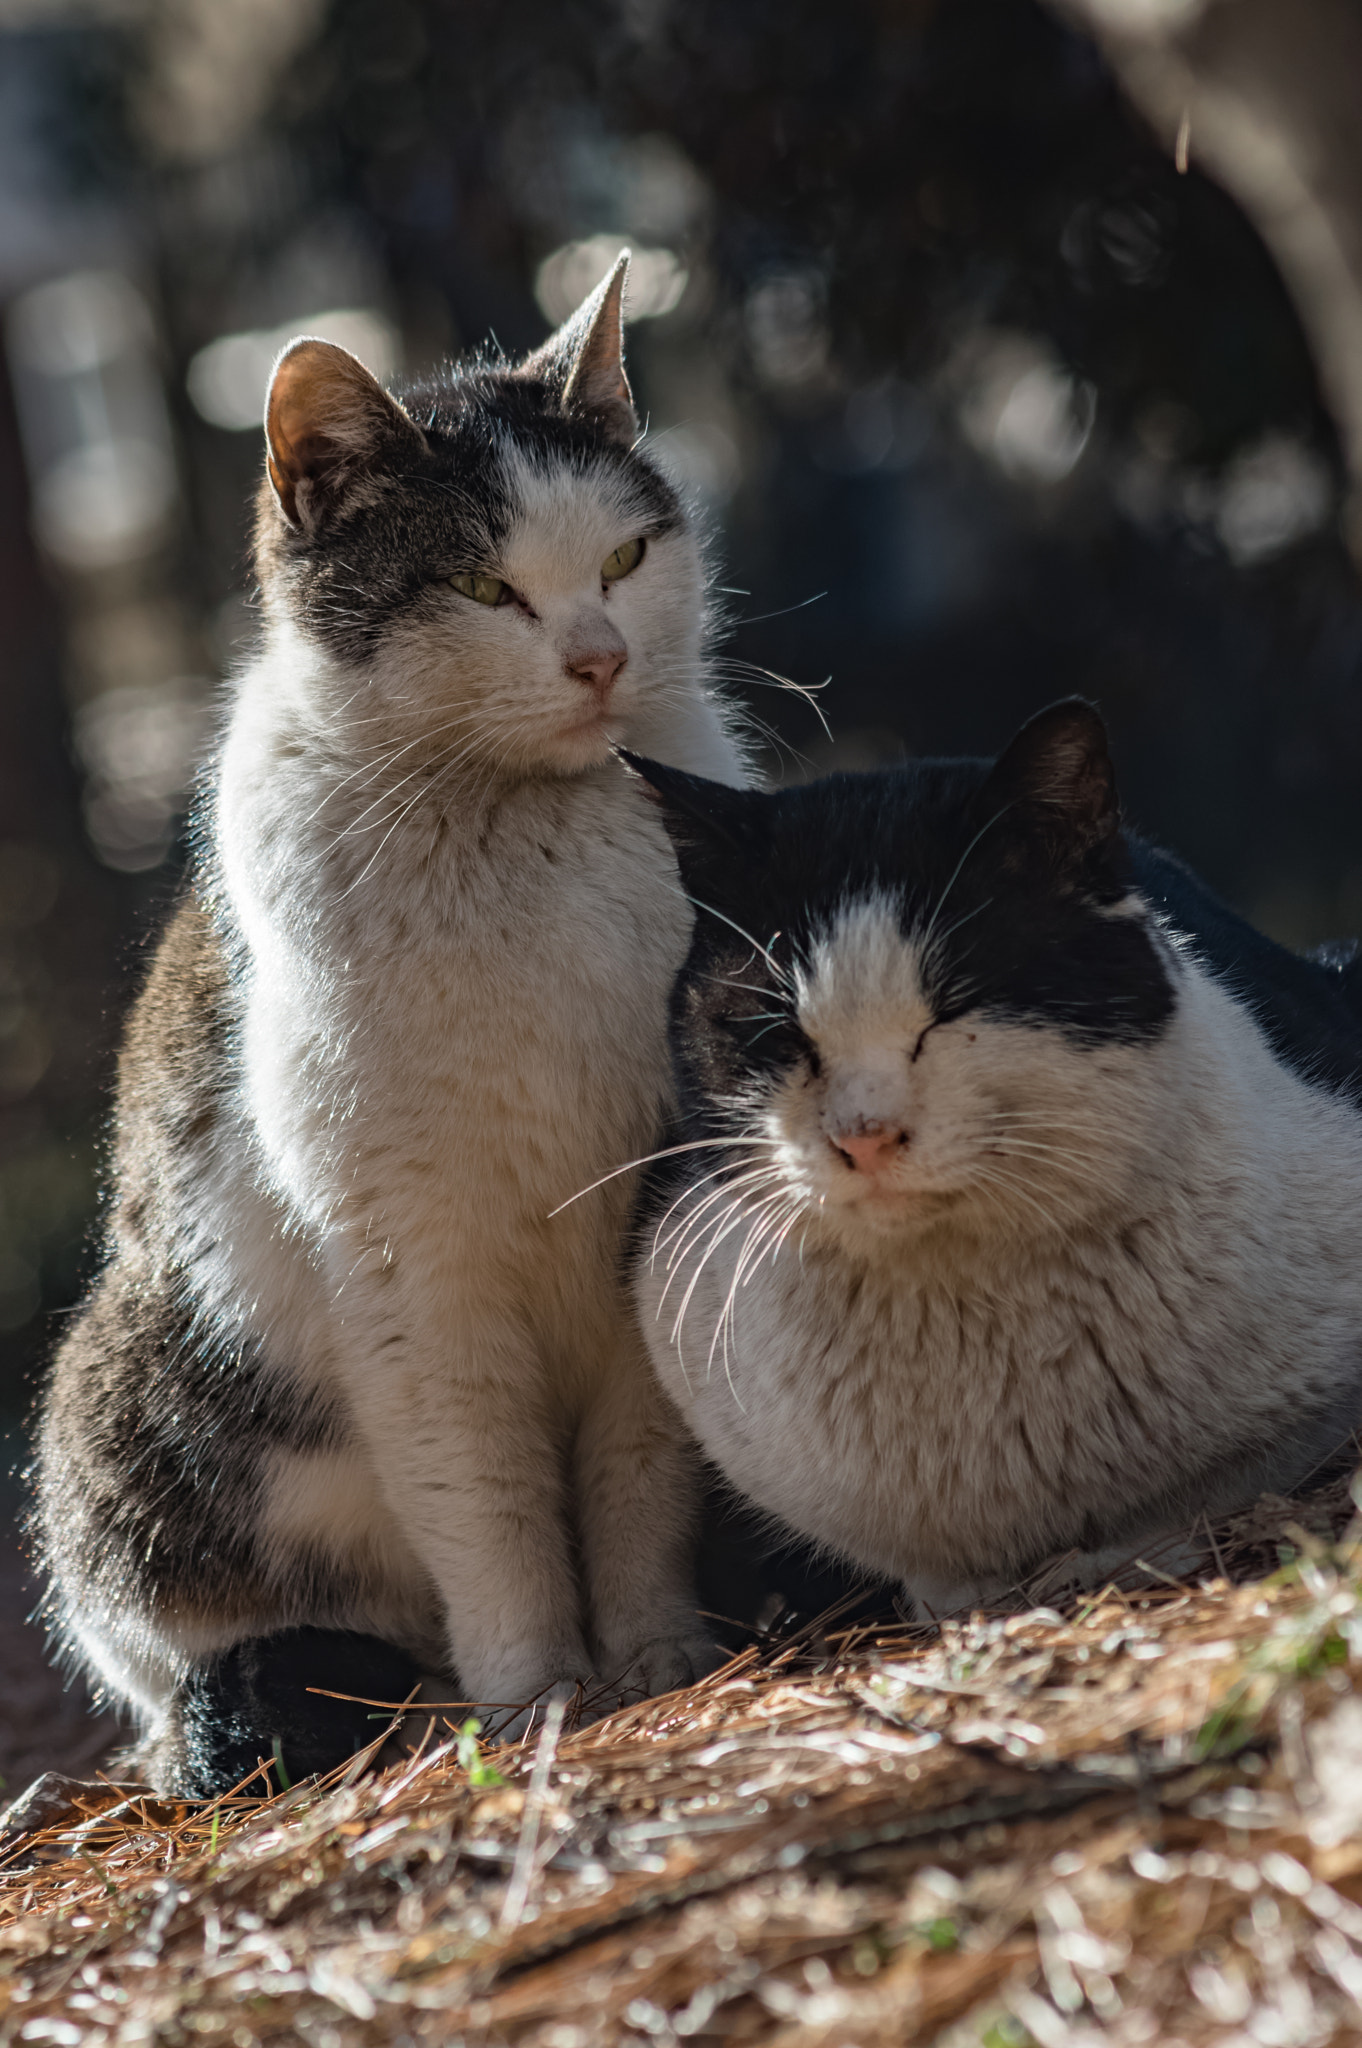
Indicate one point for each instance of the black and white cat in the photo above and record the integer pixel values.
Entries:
(340, 1371)
(1020, 1204)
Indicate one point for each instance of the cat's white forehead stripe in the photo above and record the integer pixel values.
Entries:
(862, 972)
(567, 517)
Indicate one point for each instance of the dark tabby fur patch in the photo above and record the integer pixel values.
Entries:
(156, 1424)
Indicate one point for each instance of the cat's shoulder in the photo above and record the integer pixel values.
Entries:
(1309, 1007)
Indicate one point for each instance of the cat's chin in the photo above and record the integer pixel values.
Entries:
(576, 748)
(890, 1211)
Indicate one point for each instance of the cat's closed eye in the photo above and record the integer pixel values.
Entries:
(482, 589)
(623, 561)
(785, 1043)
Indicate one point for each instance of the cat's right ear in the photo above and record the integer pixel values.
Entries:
(584, 360)
(715, 831)
(1056, 786)
(328, 423)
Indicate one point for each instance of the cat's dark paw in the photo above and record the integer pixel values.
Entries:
(267, 1701)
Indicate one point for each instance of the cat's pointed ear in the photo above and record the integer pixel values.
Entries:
(328, 423)
(584, 360)
(1055, 782)
(707, 822)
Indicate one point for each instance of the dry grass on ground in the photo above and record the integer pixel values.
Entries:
(1140, 1823)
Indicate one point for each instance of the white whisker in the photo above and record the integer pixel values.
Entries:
(647, 1158)
(779, 972)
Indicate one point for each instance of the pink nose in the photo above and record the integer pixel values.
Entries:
(872, 1149)
(598, 668)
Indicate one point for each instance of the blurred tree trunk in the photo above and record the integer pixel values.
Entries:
(37, 788)
(1266, 96)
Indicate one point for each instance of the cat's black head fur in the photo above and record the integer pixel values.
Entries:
(1008, 878)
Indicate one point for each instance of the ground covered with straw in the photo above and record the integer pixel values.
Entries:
(1139, 1820)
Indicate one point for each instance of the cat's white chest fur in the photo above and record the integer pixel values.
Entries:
(459, 998)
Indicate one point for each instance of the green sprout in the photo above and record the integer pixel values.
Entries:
(470, 1758)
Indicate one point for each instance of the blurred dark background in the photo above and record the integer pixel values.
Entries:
(992, 385)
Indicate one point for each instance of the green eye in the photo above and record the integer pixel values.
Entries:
(626, 557)
(482, 589)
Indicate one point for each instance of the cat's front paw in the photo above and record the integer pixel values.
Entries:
(661, 1665)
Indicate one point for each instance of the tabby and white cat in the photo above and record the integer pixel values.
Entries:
(339, 1371)
(1020, 1208)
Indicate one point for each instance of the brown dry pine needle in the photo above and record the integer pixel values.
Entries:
(1137, 1821)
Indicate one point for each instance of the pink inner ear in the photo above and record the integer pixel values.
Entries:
(306, 397)
(325, 410)
(310, 452)
(598, 382)
(599, 377)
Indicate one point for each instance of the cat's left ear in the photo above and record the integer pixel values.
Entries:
(715, 831)
(584, 360)
(1056, 784)
(328, 423)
